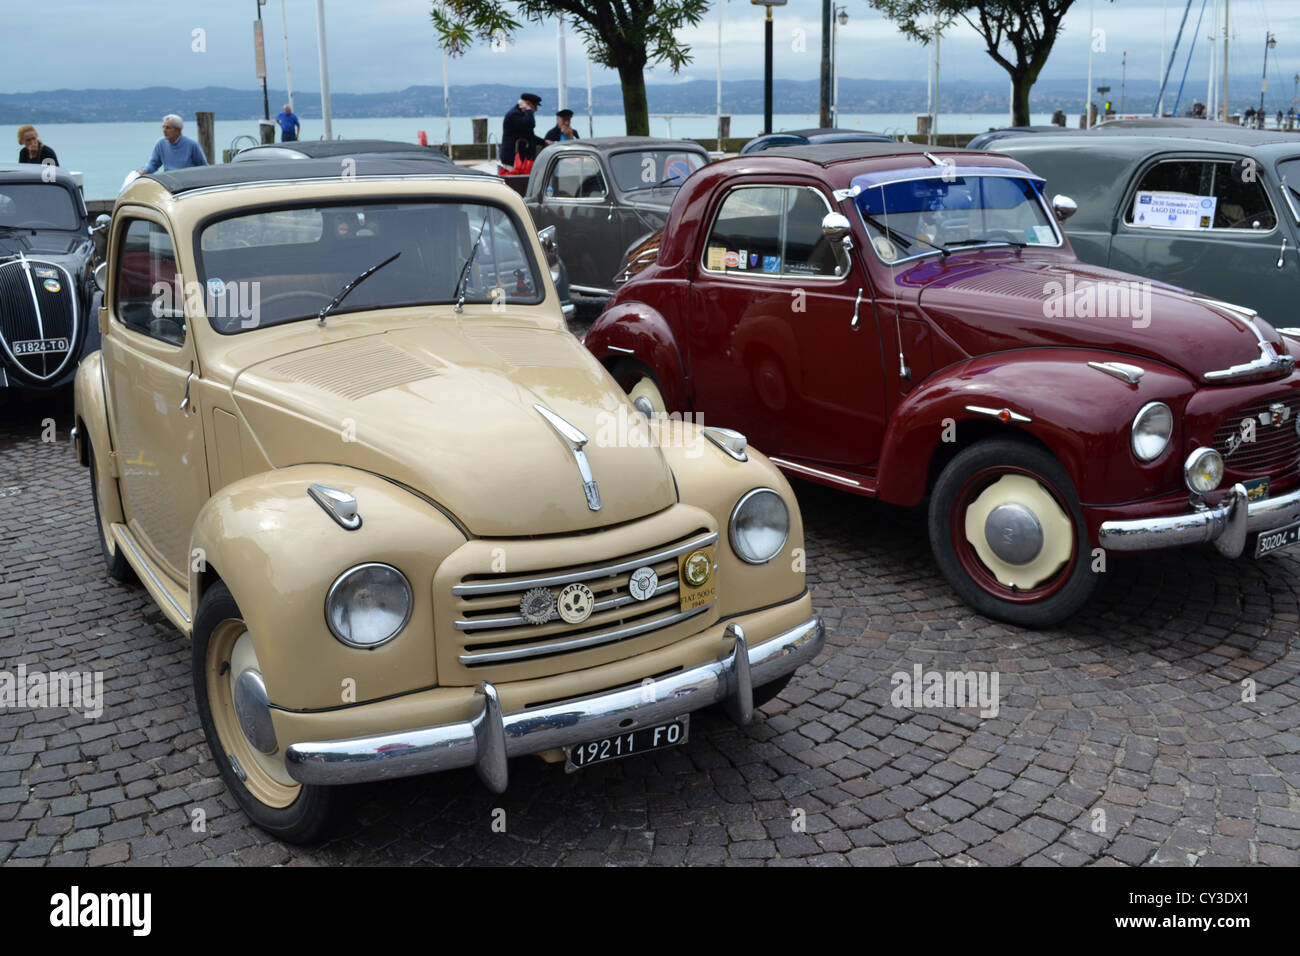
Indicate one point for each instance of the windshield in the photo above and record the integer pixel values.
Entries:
(37, 206)
(911, 218)
(275, 266)
(644, 168)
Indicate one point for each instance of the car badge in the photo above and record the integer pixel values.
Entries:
(697, 569)
(576, 603)
(643, 583)
(537, 606)
(1277, 413)
(52, 285)
(45, 273)
(576, 441)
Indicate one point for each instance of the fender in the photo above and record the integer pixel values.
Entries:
(635, 330)
(91, 415)
(279, 552)
(1091, 439)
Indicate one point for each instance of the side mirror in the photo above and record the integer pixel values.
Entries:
(102, 221)
(99, 234)
(101, 276)
(1064, 207)
(835, 226)
(550, 244)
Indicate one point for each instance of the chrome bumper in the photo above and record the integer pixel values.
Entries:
(486, 741)
(1226, 525)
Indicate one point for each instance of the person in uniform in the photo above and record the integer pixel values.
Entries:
(519, 124)
(563, 128)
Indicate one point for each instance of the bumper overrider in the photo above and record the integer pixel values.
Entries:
(1226, 525)
(489, 739)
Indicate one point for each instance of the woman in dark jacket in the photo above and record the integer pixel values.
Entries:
(33, 150)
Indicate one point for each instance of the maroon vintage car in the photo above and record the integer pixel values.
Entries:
(902, 323)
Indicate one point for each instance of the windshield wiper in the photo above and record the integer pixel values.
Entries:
(896, 236)
(464, 270)
(989, 241)
(343, 293)
(663, 182)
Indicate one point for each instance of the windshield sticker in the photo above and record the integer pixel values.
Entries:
(216, 288)
(716, 258)
(743, 256)
(677, 167)
(52, 285)
(771, 263)
(1044, 235)
(1169, 210)
(732, 260)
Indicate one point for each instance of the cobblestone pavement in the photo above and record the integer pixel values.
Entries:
(1121, 738)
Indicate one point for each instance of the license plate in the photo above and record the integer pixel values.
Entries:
(696, 584)
(1256, 490)
(1270, 541)
(625, 745)
(40, 346)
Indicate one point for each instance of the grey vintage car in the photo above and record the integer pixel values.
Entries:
(1213, 209)
(48, 298)
(606, 195)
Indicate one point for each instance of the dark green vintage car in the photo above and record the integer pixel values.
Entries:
(1214, 210)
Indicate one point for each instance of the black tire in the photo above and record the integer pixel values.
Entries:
(294, 819)
(1052, 599)
(119, 569)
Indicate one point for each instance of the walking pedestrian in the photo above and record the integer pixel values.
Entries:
(289, 125)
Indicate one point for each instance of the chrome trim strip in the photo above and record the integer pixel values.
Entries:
(1132, 374)
(1269, 360)
(805, 470)
(1227, 525)
(997, 413)
(144, 565)
(578, 643)
(589, 290)
(548, 581)
(490, 737)
(619, 348)
(25, 263)
(338, 504)
(576, 440)
(488, 623)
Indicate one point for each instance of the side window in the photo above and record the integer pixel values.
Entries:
(149, 299)
(773, 230)
(576, 177)
(1201, 195)
(593, 182)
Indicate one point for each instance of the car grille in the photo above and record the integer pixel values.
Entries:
(1275, 448)
(491, 629)
(38, 324)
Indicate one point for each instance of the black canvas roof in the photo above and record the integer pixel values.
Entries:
(314, 149)
(633, 142)
(234, 174)
(826, 153)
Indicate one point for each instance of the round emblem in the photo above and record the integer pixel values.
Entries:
(52, 285)
(537, 606)
(697, 569)
(575, 603)
(643, 583)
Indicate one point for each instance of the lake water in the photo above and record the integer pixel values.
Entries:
(106, 152)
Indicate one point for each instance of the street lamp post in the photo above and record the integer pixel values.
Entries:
(767, 59)
(1270, 41)
(840, 19)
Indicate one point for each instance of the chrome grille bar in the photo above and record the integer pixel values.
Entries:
(486, 623)
(547, 581)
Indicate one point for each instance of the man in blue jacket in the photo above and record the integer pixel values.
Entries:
(289, 125)
(174, 151)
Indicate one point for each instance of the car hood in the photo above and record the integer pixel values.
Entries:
(448, 409)
(992, 305)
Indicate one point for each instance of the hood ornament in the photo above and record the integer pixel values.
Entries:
(576, 441)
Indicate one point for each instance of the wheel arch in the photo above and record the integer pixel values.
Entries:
(636, 331)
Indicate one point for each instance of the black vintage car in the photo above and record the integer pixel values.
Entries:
(48, 297)
(606, 195)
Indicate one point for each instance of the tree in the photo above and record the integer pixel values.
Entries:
(624, 35)
(1027, 27)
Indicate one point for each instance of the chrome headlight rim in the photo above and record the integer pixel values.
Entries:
(342, 580)
(1192, 466)
(1134, 434)
(733, 535)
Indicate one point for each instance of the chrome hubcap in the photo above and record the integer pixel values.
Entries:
(1014, 533)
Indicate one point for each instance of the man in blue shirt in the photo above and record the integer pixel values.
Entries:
(174, 151)
(289, 124)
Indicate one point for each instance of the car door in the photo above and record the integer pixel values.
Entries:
(773, 346)
(1205, 223)
(575, 198)
(150, 363)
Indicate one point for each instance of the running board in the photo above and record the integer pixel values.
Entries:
(826, 475)
(167, 595)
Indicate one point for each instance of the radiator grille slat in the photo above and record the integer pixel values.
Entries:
(1274, 448)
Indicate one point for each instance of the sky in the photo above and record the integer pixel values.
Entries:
(382, 45)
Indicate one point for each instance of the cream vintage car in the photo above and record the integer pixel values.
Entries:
(340, 432)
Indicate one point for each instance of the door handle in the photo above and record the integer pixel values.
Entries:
(856, 302)
(1281, 253)
(185, 402)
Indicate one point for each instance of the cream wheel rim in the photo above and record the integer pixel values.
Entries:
(1056, 527)
(647, 389)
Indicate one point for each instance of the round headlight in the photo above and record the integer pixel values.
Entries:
(1203, 470)
(1152, 428)
(760, 524)
(368, 605)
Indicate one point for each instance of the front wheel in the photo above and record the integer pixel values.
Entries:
(642, 390)
(1008, 534)
(225, 670)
